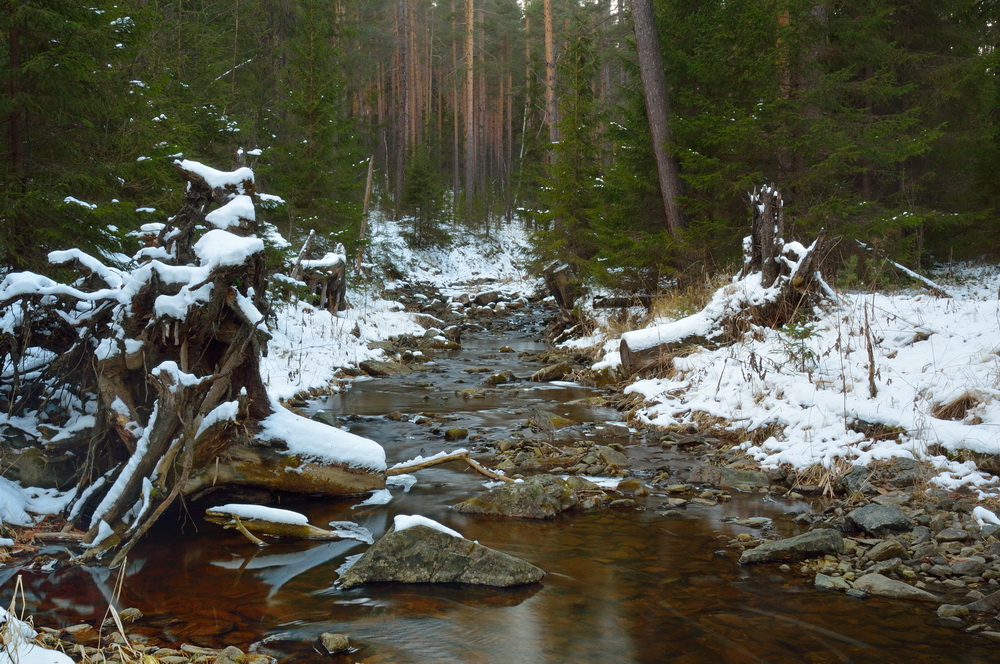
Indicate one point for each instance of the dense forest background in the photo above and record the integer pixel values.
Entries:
(878, 121)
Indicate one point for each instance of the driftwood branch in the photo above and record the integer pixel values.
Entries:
(462, 455)
(931, 286)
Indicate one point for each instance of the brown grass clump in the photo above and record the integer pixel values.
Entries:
(825, 478)
(686, 301)
(957, 408)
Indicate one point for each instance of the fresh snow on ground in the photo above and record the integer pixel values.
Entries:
(310, 344)
(807, 387)
(16, 636)
(473, 262)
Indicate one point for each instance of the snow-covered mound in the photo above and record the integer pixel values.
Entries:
(816, 389)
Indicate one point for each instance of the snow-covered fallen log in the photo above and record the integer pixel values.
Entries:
(777, 280)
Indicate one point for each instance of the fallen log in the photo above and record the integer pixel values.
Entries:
(777, 280)
(623, 302)
(269, 521)
(933, 287)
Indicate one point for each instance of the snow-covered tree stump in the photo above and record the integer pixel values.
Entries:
(560, 282)
(326, 277)
(777, 280)
(165, 358)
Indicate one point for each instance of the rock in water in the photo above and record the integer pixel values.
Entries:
(883, 586)
(880, 519)
(334, 643)
(231, 655)
(538, 497)
(813, 543)
(380, 368)
(421, 554)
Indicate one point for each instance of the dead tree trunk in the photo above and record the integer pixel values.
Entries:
(560, 282)
(777, 280)
(766, 234)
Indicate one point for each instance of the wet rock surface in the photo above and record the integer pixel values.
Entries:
(425, 555)
(806, 545)
(538, 497)
(879, 519)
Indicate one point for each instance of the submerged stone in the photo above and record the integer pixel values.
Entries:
(813, 543)
(538, 497)
(421, 554)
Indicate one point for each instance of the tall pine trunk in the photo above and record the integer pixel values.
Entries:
(550, 74)
(470, 104)
(654, 87)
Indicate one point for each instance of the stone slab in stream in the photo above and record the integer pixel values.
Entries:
(813, 543)
(538, 497)
(421, 554)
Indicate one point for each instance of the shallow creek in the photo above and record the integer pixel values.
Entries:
(622, 585)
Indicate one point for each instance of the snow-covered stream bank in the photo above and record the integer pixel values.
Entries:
(863, 379)
(618, 578)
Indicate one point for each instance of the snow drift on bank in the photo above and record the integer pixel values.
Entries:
(931, 390)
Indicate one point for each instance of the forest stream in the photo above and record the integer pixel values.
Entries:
(622, 585)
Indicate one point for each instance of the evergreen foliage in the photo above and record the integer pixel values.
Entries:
(877, 121)
(423, 203)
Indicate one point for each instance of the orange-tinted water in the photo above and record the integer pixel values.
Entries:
(622, 586)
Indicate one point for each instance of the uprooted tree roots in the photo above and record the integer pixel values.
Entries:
(152, 375)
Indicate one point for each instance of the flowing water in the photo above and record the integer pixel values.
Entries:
(622, 585)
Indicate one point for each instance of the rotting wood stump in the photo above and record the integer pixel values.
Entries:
(168, 353)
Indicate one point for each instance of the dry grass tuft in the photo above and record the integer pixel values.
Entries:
(686, 301)
(957, 408)
(823, 477)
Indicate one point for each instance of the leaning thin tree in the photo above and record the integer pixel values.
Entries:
(164, 359)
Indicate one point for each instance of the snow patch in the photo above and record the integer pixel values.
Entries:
(404, 521)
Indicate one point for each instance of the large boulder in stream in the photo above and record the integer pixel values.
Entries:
(817, 542)
(418, 550)
(880, 520)
(538, 497)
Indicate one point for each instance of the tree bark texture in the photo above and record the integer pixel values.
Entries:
(654, 87)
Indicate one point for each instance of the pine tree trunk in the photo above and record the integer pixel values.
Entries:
(470, 104)
(550, 74)
(654, 87)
